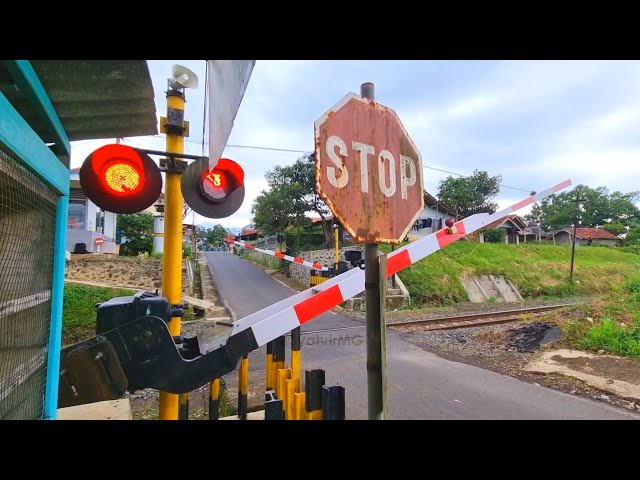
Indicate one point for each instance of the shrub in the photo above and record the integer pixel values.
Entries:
(495, 235)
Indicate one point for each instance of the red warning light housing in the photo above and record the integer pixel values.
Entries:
(226, 177)
(215, 193)
(120, 179)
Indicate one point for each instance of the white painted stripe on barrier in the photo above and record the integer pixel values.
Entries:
(260, 315)
(423, 247)
(282, 323)
(354, 285)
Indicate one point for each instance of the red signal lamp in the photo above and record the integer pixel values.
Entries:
(216, 193)
(226, 177)
(120, 179)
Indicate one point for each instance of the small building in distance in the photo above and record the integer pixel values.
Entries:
(513, 225)
(86, 221)
(598, 236)
(432, 218)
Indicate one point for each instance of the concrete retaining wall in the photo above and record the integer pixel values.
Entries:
(323, 257)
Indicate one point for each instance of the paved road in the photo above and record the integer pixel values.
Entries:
(421, 385)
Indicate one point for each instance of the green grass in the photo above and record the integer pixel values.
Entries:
(79, 309)
(612, 337)
(536, 270)
(266, 261)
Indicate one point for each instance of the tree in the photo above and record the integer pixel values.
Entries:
(470, 195)
(215, 234)
(599, 208)
(495, 235)
(138, 230)
(292, 193)
(273, 211)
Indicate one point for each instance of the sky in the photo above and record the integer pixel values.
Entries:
(535, 123)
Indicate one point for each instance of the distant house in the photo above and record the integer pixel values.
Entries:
(534, 232)
(249, 233)
(598, 236)
(86, 221)
(513, 225)
(433, 216)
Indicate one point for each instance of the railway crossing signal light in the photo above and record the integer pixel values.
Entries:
(216, 193)
(123, 179)
(120, 179)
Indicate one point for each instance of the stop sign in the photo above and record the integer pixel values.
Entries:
(368, 170)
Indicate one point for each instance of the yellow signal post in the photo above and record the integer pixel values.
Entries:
(172, 251)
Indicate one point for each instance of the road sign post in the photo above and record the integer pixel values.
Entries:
(375, 300)
(369, 173)
(99, 241)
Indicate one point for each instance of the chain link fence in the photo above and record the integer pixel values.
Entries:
(27, 231)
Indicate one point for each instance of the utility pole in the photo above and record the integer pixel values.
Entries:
(575, 225)
(172, 252)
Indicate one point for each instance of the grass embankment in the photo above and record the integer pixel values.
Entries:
(267, 261)
(536, 270)
(611, 322)
(79, 310)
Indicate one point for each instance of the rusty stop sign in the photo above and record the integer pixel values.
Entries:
(368, 170)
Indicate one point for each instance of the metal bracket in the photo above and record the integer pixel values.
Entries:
(360, 264)
(171, 165)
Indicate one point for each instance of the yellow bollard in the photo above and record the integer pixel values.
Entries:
(214, 399)
(296, 358)
(243, 387)
(315, 415)
(300, 409)
(268, 377)
(279, 347)
(281, 390)
(290, 412)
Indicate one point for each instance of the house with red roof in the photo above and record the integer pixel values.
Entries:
(598, 236)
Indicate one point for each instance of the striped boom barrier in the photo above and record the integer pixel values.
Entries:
(288, 258)
(282, 317)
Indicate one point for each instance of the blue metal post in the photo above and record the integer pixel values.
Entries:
(57, 293)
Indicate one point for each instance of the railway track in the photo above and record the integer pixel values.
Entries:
(476, 319)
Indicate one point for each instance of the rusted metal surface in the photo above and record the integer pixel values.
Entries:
(372, 197)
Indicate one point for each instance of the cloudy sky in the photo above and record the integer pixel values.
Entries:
(536, 123)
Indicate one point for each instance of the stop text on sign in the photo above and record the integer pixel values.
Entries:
(338, 174)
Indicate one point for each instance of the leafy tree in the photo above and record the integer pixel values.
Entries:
(615, 228)
(138, 229)
(470, 195)
(273, 211)
(216, 234)
(292, 193)
(597, 208)
(495, 235)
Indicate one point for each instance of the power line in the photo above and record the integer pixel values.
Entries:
(467, 176)
(274, 149)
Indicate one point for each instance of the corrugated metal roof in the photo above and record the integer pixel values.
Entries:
(585, 233)
(93, 98)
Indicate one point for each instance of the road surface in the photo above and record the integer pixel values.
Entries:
(421, 385)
